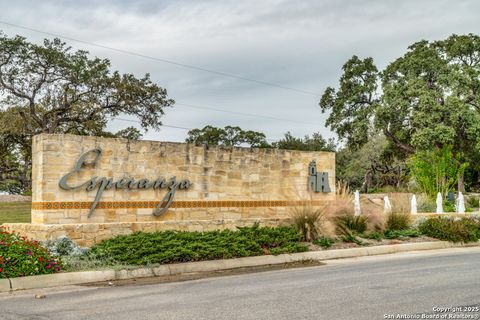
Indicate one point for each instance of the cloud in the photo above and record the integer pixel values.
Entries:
(300, 44)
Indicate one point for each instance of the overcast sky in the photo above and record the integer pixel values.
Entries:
(298, 44)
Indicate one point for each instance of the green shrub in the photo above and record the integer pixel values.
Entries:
(452, 229)
(324, 242)
(22, 257)
(374, 235)
(472, 224)
(398, 221)
(473, 202)
(436, 170)
(351, 238)
(349, 223)
(142, 248)
(398, 234)
(449, 206)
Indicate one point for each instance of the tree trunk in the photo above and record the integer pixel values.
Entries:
(366, 182)
(399, 178)
(461, 183)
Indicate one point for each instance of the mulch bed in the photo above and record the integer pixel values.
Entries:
(370, 243)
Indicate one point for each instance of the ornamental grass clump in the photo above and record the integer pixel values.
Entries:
(473, 202)
(401, 202)
(348, 223)
(22, 257)
(308, 221)
(426, 204)
(374, 215)
(399, 221)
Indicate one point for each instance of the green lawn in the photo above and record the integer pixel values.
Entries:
(15, 211)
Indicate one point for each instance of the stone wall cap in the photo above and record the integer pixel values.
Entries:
(44, 136)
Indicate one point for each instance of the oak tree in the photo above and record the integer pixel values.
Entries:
(308, 143)
(229, 136)
(50, 88)
(426, 99)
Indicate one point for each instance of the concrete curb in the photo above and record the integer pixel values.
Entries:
(4, 285)
(60, 279)
(75, 278)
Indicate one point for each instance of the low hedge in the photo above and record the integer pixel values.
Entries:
(464, 229)
(163, 247)
(22, 257)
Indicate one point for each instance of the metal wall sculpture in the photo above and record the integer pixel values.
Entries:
(317, 181)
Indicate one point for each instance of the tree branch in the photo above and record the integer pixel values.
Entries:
(405, 147)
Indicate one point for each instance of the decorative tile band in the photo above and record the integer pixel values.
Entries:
(175, 204)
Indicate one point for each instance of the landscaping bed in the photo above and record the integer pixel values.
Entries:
(21, 257)
(149, 249)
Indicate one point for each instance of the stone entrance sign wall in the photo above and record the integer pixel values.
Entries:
(227, 187)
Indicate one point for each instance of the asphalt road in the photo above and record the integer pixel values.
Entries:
(364, 288)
